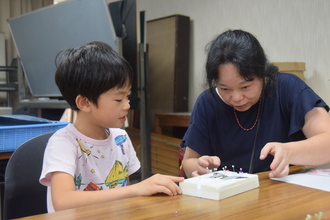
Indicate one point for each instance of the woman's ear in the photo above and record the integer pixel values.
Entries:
(83, 103)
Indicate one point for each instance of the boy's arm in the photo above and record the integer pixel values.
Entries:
(64, 195)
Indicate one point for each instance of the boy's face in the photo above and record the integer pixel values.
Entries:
(112, 107)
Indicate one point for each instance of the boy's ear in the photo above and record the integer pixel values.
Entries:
(83, 103)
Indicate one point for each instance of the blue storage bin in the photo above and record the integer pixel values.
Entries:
(11, 137)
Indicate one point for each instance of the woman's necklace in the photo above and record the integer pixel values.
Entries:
(255, 123)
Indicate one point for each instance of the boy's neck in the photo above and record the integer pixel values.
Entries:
(91, 130)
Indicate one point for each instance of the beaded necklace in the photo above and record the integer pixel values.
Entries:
(255, 123)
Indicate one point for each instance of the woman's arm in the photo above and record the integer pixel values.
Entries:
(313, 151)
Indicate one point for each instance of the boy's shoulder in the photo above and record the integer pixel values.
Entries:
(63, 133)
(117, 131)
(70, 132)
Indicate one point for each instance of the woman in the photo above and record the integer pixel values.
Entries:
(252, 117)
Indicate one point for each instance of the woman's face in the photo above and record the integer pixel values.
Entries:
(235, 90)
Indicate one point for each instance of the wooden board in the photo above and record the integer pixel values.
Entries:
(164, 151)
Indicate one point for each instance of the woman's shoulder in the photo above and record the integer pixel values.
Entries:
(207, 95)
(204, 100)
(289, 78)
(289, 81)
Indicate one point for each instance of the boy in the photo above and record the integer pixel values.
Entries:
(90, 161)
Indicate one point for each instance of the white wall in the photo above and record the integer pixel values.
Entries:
(289, 31)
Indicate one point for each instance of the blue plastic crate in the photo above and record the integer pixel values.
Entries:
(11, 137)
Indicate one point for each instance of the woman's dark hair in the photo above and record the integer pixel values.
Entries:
(90, 70)
(243, 50)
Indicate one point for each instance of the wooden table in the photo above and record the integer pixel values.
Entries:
(5, 155)
(175, 119)
(272, 200)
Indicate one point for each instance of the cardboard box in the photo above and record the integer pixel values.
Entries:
(296, 68)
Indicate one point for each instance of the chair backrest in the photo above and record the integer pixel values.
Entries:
(24, 195)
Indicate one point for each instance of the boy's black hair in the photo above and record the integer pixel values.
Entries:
(90, 70)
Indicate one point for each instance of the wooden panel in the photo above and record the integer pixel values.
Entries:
(5, 155)
(180, 119)
(164, 151)
(168, 52)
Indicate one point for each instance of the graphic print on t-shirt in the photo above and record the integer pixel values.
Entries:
(119, 140)
(118, 174)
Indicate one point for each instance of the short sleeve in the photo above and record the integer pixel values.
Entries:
(58, 144)
(297, 99)
(134, 161)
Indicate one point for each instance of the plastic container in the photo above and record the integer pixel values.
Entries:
(11, 137)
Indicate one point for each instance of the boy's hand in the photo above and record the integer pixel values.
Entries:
(159, 184)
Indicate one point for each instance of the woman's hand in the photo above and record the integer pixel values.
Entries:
(280, 165)
(194, 164)
(206, 164)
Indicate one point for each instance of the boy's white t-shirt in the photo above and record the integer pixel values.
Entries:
(94, 164)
